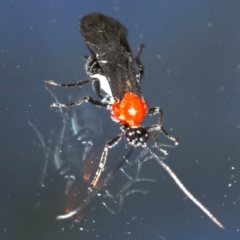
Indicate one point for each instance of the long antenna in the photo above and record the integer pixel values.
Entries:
(184, 189)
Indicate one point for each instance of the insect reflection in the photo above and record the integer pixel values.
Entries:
(75, 155)
(112, 73)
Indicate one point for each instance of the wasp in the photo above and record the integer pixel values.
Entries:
(116, 83)
(112, 73)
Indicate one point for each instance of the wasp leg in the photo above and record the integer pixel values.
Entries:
(80, 101)
(159, 128)
(139, 63)
(46, 152)
(97, 89)
(67, 85)
(158, 110)
(95, 191)
(103, 160)
(92, 66)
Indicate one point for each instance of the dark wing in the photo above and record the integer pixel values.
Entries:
(102, 33)
(107, 40)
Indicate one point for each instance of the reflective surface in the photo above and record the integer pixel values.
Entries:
(192, 72)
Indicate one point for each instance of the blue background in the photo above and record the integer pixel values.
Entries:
(192, 63)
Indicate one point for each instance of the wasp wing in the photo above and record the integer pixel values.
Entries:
(107, 40)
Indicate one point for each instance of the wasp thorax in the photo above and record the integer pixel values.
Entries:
(131, 110)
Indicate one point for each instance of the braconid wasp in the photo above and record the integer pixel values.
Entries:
(117, 85)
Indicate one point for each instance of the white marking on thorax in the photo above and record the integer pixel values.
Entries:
(104, 84)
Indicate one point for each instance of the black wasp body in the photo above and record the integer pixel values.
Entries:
(112, 73)
(107, 40)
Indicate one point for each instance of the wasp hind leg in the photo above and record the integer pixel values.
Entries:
(92, 67)
(160, 129)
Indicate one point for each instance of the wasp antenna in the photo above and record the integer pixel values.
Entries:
(184, 189)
